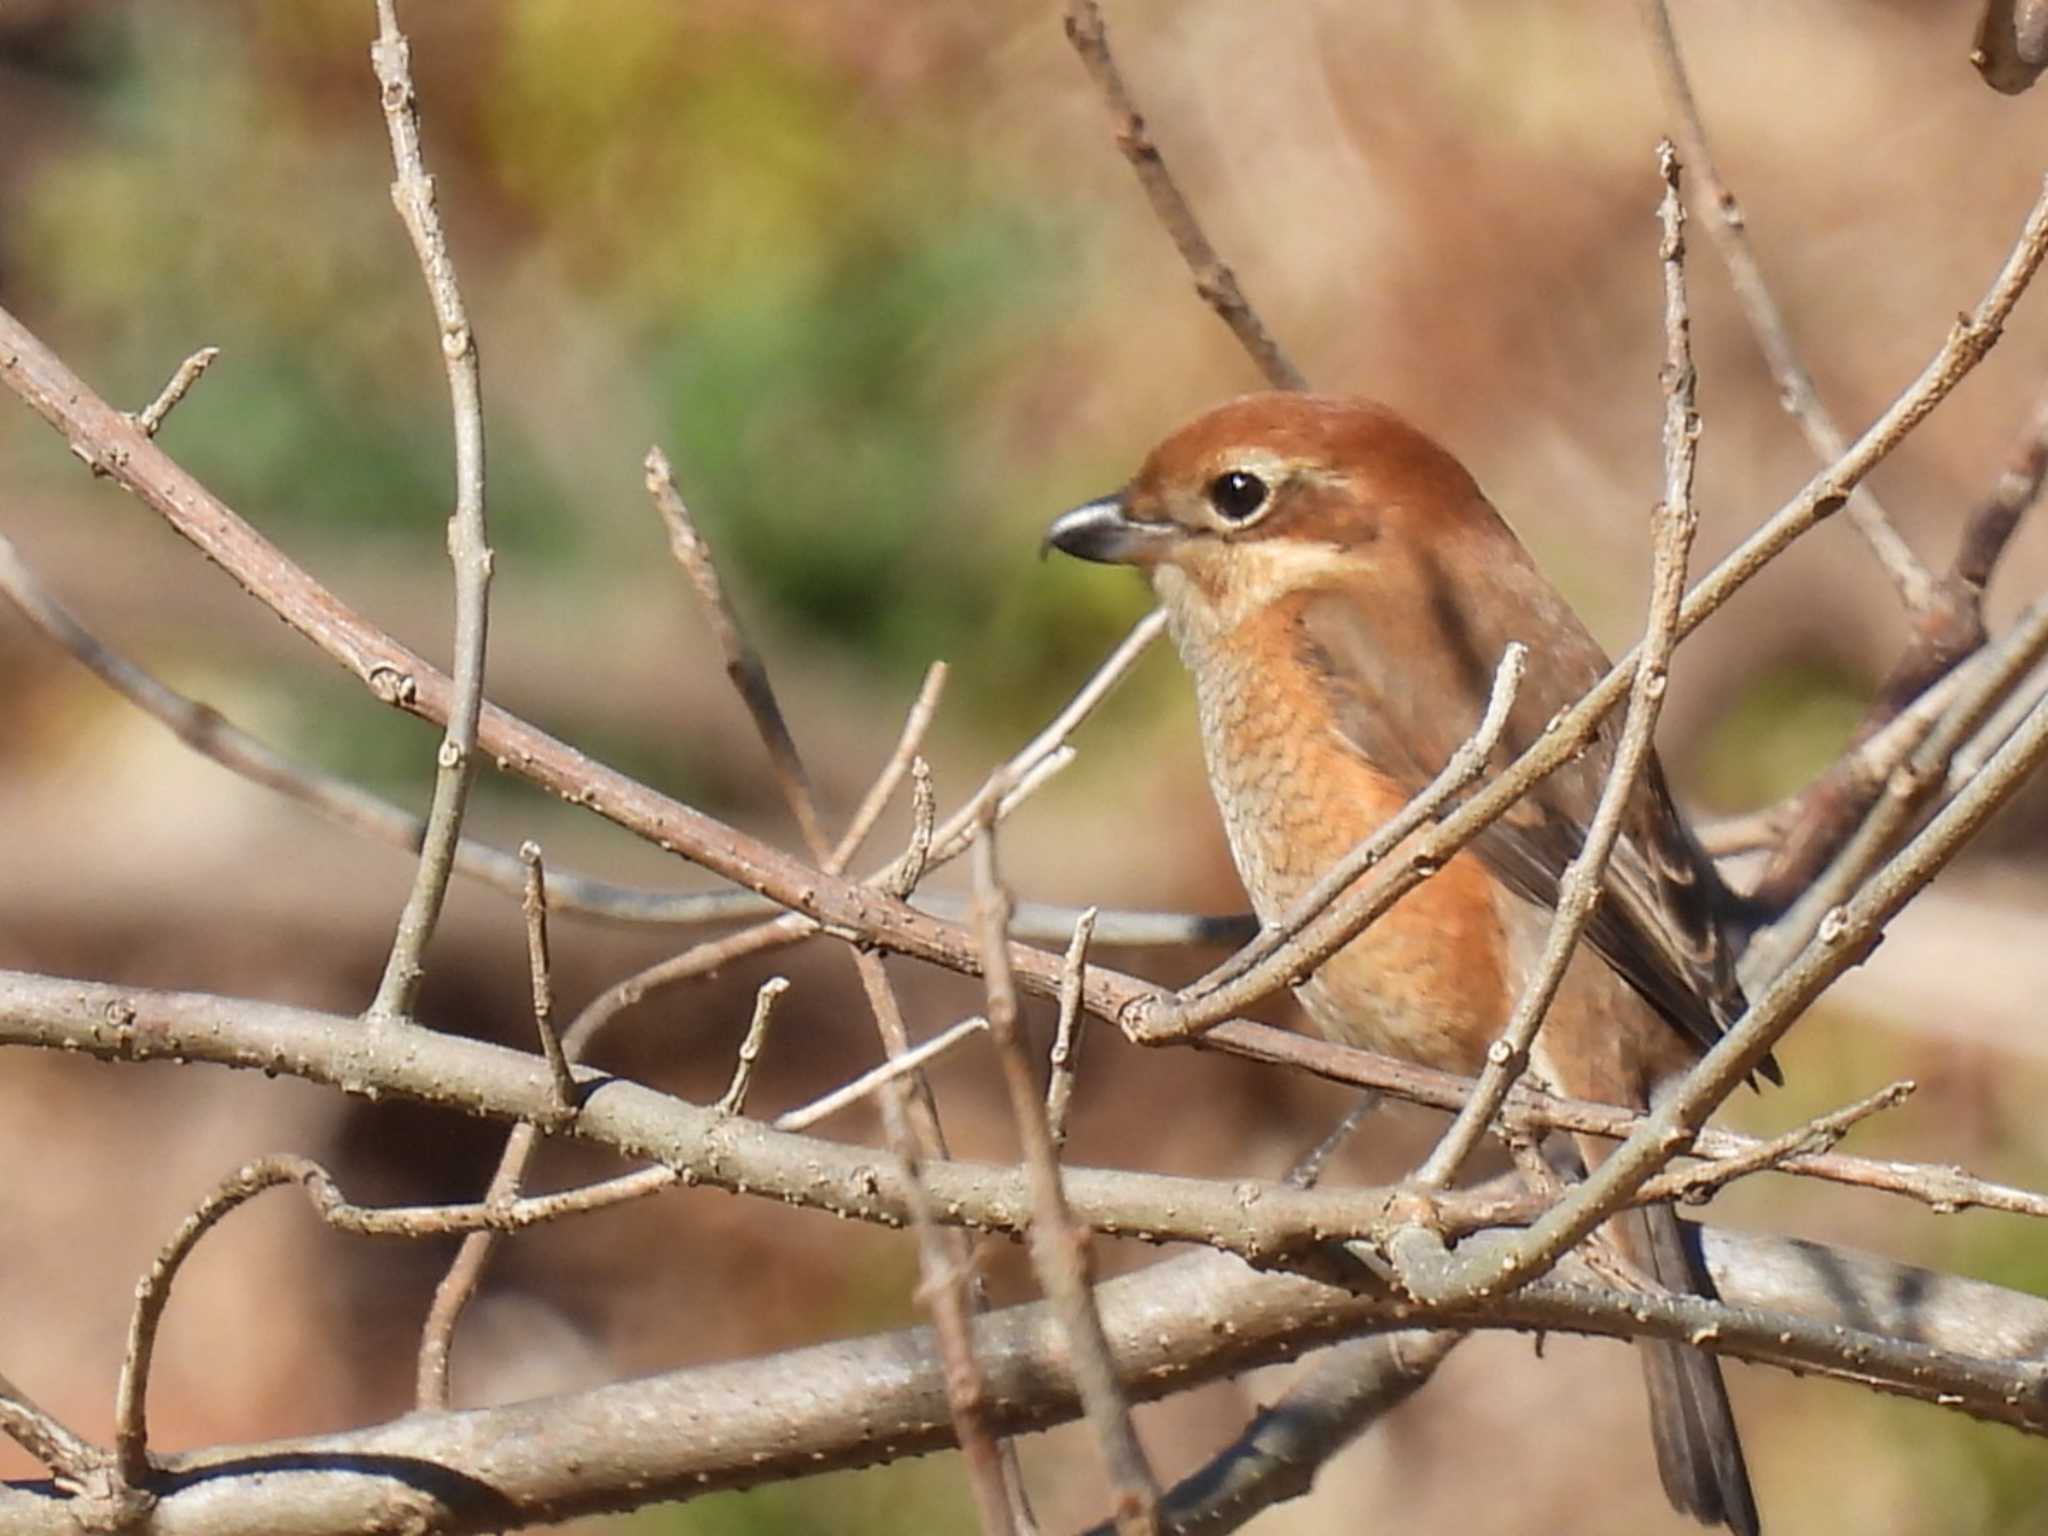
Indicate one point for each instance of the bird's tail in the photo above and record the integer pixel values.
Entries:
(1699, 1454)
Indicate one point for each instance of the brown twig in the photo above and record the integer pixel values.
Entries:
(734, 1100)
(1695, 1185)
(412, 191)
(1065, 1059)
(1796, 391)
(1058, 1245)
(150, 419)
(910, 1113)
(900, 762)
(1946, 632)
(534, 907)
(76, 1461)
(1676, 522)
(1334, 1401)
(1908, 789)
(1214, 280)
(742, 662)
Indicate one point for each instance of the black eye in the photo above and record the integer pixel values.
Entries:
(1237, 494)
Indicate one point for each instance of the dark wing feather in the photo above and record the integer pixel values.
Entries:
(1663, 920)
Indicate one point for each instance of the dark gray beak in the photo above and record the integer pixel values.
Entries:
(1102, 531)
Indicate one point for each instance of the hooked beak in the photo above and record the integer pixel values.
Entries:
(1103, 531)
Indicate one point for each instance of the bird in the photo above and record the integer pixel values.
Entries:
(1341, 591)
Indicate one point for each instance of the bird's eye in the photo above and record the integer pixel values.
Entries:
(1237, 494)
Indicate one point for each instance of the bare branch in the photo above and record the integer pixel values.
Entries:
(1908, 788)
(412, 191)
(1058, 1246)
(1795, 385)
(1214, 280)
(1946, 633)
(743, 663)
(1820, 1134)
(1336, 1399)
(76, 1461)
(870, 1400)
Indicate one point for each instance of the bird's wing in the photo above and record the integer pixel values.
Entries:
(1661, 922)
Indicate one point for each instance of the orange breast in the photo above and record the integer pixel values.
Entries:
(1428, 981)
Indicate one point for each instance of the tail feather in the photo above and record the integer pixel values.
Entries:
(1699, 1454)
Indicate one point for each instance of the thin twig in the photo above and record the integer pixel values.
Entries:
(2006, 719)
(1058, 1245)
(1862, 766)
(150, 419)
(412, 191)
(735, 1098)
(883, 790)
(1844, 938)
(1796, 391)
(1307, 1171)
(910, 1115)
(1334, 1401)
(1947, 633)
(1907, 790)
(807, 1115)
(534, 907)
(1214, 280)
(742, 662)
(1696, 1184)
(908, 872)
(1065, 1059)
(1676, 522)
(74, 1459)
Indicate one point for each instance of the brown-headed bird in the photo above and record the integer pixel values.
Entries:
(1342, 592)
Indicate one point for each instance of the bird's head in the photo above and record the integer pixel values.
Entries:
(1271, 493)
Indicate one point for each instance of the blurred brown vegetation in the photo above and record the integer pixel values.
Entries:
(876, 277)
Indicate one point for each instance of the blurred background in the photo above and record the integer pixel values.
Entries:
(876, 277)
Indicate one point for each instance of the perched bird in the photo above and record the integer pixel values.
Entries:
(1342, 592)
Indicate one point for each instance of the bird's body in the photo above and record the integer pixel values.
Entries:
(1341, 593)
